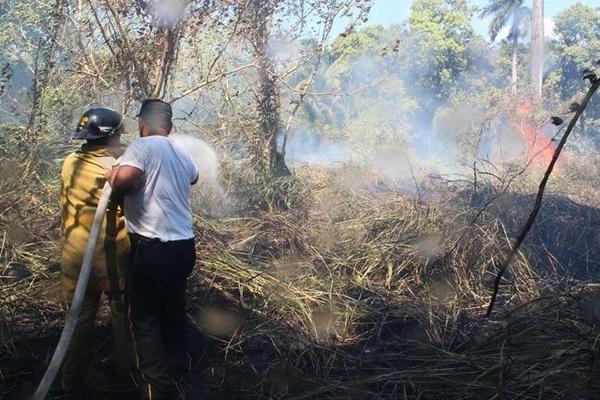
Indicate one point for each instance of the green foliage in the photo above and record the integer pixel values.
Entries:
(22, 26)
(374, 87)
(439, 33)
(577, 46)
(576, 49)
(383, 85)
(366, 95)
(348, 49)
(503, 12)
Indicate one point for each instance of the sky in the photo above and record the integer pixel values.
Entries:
(388, 12)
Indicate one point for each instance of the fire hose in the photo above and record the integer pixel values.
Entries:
(75, 309)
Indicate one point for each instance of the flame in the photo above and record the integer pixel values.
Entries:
(539, 148)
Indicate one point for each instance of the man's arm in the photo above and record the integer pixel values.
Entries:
(124, 179)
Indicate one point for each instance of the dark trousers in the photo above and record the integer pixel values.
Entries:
(156, 287)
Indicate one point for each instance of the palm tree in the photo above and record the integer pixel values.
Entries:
(504, 12)
(537, 51)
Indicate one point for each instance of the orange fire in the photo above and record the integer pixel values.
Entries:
(539, 148)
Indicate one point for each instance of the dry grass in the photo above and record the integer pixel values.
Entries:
(348, 293)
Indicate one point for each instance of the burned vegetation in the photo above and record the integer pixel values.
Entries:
(365, 192)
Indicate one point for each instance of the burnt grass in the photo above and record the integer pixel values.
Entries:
(433, 344)
(212, 374)
(262, 368)
(565, 238)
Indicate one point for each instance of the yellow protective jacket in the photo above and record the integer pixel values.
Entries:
(83, 177)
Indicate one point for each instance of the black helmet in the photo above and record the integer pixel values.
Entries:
(97, 123)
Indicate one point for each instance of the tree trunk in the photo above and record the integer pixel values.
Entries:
(267, 96)
(537, 51)
(515, 64)
(167, 42)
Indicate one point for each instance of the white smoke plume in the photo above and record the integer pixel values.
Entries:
(168, 12)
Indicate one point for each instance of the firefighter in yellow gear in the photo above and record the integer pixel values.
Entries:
(83, 177)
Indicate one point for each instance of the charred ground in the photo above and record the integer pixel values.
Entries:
(352, 293)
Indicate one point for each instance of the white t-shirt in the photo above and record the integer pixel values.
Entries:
(160, 206)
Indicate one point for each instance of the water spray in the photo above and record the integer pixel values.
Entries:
(207, 160)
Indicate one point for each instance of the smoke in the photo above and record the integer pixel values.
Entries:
(307, 147)
(396, 162)
(549, 29)
(374, 112)
(282, 50)
(167, 13)
(502, 143)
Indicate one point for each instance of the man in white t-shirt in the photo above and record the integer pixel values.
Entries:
(155, 176)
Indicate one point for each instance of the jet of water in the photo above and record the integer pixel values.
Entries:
(208, 196)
